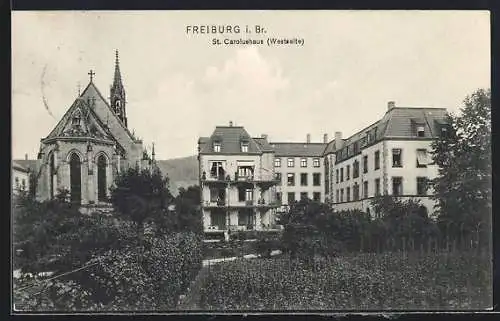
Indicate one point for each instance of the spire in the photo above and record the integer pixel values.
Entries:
(118, 77)
(117, 93)
(153, 151)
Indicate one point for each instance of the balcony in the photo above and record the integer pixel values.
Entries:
(215, 204)
(214, 179)
(263, 205)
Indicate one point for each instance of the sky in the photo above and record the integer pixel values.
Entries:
(179, 86)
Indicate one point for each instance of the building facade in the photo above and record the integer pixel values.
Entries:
(89, 146)
(237, 181)
(300, 168)
(390, 157)
(20, 178)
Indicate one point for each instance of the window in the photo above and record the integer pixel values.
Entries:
(397, 186)
(217, 170)
(245, 172)
(249, 194)
(279, 178)
(217, 146)
(244, 147)
(341, 194)
(303, 179)
(377, 186)
(278, 197)
(355, 169)
(337, 176)
(396, 158)
(365, 189)
(365, 164)
(348, 193)
(342, 174)
(347, 172)
(290, 179)
(303, 195)
(337, 196)
(377, 160)
(277, 162)
(17, 182)
(303, 162)
(316, 196)
(316, 179)
(23, 184)
(316, 162)
(291, 197)
(291, 162)
(420, 130)
(422, 160)
(421, 186)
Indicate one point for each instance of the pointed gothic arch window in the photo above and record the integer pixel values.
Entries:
(101, 178)
(75, 178)
(52, 172)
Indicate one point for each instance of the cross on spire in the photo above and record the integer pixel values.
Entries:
(91, 74)
(79, 88)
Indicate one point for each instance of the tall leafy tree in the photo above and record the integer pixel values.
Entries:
(463, 185)
(141, 196)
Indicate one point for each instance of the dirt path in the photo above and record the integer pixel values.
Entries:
(192, 298)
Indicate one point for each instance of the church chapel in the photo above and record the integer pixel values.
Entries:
(89, 146)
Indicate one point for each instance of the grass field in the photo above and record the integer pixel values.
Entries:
(435, 281)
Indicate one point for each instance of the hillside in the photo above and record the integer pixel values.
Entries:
(182, 172)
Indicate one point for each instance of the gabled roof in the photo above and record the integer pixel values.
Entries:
(90, 124)
(92, 91)
(330, 148)
(19, 167)
(230, 138)
(298, 149)
(30, 164)
(264, 144)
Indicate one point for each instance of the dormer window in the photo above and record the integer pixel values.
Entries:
(244, 147)
(217, 147)
(420, 131)
(444, 131)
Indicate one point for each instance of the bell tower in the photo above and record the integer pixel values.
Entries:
(117, 93)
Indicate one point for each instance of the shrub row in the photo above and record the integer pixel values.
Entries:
(367, 281)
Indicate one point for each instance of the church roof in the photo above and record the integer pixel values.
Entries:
(88, 126)
(19, 167)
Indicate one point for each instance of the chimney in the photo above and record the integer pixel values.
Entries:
(264, 136)
(325, 138)
(308, 138)
(230, 123)
(338, 140)
(391, 104)
(26, 156)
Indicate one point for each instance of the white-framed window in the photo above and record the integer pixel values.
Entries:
(217, 147)
(397, 159)
(290, 162)
(422, 160)
(420, 130)
(244, 147)
(290, 179)
(277, 162)
(316, 162)
(303, 162)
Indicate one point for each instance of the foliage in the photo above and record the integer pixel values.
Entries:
(463, 186)
(122, 280)
(367, 281)
(141, 195)
(187, 207)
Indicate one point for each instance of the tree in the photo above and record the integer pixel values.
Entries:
(188, 209)
(463, 185)
(141, 196)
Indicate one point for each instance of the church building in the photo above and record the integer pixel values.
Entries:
(89, 146)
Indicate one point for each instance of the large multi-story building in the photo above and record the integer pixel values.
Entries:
(237, 180)
(300, 170)
(245, 181)
(389, 157)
